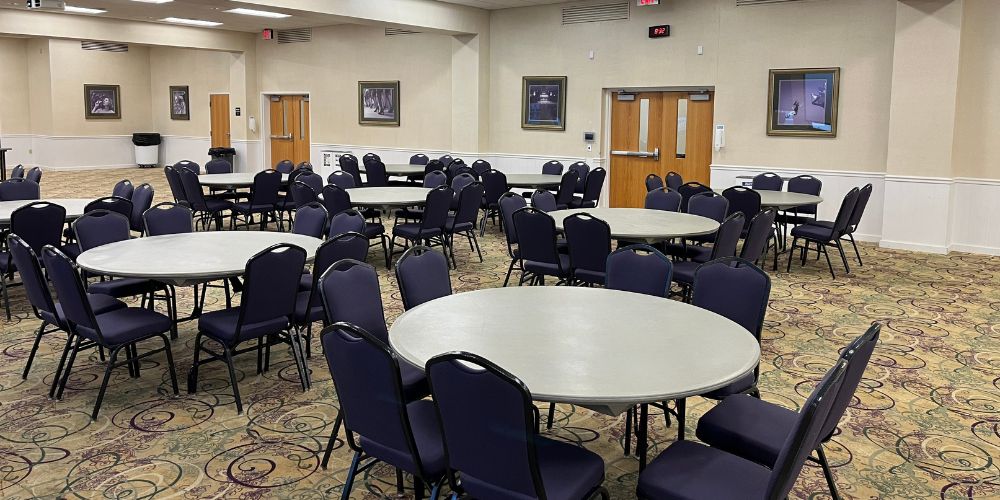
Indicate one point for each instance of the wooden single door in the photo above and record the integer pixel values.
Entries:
(655, 133)
(289, 125)
(219, 105)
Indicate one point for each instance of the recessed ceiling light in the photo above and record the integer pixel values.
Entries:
(192, 22)
(83, 10)
(258, 13)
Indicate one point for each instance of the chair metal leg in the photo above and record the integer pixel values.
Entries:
(232, 378)
(856, 252)
(827, 472)
(193, 373)
(107, 376)
(843, 257)
(6, 298)
(791, 254)
(628, 430)
(351, 472)
(59, 367)
(510, 270)
(642, 436)
(476, 241)
(333, 439)
(681, 417)
(828, 263)
(69, 367)
(552, 415)
(34, 349)
(170, 364)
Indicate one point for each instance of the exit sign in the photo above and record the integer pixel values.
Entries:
(640, 3)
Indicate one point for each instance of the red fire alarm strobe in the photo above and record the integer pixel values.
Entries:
(267, 34)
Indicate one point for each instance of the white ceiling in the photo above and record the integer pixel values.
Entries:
(502, 4)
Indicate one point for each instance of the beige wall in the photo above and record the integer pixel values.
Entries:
(14, 107)
(330, 67)
(39, 93)
(203, 71)
(977, 127)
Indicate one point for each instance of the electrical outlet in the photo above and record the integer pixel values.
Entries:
(590, 147)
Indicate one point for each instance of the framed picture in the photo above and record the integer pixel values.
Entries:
(543, 102)
(803, 102)
(101, 101)
(180, 102)
(378, 103)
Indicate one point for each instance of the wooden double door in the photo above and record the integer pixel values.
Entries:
(655, 133)
(289, 126)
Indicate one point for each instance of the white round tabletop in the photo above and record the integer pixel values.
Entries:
(75, 207)
(644, 224)
(532, 180)
(401, 196)
(400, 169)
(783, 199)
(234, 180)
(587, 346)
(188, 257)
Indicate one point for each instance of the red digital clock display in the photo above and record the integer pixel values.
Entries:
(660, 31)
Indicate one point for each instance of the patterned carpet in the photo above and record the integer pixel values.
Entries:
(926, 421)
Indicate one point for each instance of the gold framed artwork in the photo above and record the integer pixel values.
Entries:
(803, 102)
(543, 102)
(102, 102)
(378, 103)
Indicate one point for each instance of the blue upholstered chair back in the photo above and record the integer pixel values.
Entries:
(767, 181)
(805, 184)
(419, 159)
(34, 175)
(567, 187)
(347, 221)
(742, 200)
(674, 180)
(847, 207)
(168, 218)
(69, 287)
(422, 275)
(689, 189)
(310, 220)
(733, 288)
(653, 182)
(510, 203)
(857, 354)
(19, 189)
(35, 285)
(302, 194)
(543, 200)
(285, 166)
(375, 172)
(351, 294)
(192, 190)
(349, 164)
(124, 189)
(639, 269)
(39, 224)
(495, 183)
(594, 185)
(335, 199)
(552, 167)
(142, 198)
(663, 198)
(582, 171)
(174, 181)
(189, 165)
(758, 234)
(271, 284)
(341, 179)
(218, 166)
(536, 235)
(100, 227)
(436, 208)
(480, 167)
(589, 240)
(265, 187)
(708, 204)
(435, 178)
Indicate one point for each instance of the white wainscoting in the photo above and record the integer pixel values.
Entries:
(21, 150)
(975, 216)
(917, 213)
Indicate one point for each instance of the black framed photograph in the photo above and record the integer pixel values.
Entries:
(102, 101)
(180, 102)
(378, 103)
(803, 102)
(543, 102)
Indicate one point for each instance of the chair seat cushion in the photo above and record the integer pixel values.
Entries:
(586, 275)
(303, 312)
(690, 471)
(684, 271)
(6, 264)
(415, 384)
(217, 204)
(748, 427)
(427, 436)
(247, 207)
(99, 303)
(786, 218)
(71, 250)
(410, 213)
(414, 231)
(124, 287)
(452, 228)
(305, 282)
(126, 325)
(813, 232)
(821, 223)
(550, 269)
(692, 251)
(373, 229)
(221, 325)
(568, 472)
(742, 384)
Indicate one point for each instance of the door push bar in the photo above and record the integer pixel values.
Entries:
(654, 154)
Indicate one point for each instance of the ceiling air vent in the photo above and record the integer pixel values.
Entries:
(576, 14)
(751, 3)
(399, 31)
(104, 46)
(296, 35)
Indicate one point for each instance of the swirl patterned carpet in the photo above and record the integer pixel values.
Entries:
(924, 423)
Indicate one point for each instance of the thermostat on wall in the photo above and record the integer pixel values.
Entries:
(589, 136)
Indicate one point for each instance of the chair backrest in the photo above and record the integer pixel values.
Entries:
(487, 420)
(218, 166)
(422, 275)
(859, 207)
(767, 181)
(370, 157)
(589, 240)
(805, 184)
(510, 203)
(445, 160)
(112, 203)
(189, 165)
(100, 227)
(193, 193)
(653, 181)
(433, 165)
(758, 234)
(857, 354)
(38, 224)
(728, 236)
(347, 221)
(495, 183)
(270, 286)
(351, 293)
(552, 167)
(17, 172)
(461, 180)
(582, 171)
(176, 186)
(689, 189)
(536, 236)
(733, 288)
(663, 198)
(34, 175)
(311, 179)
(285, 166)
(70, 288)
(639, 269)
(168, 218)
(310, 220)
(304, 165)
(743, 200)
(375, 173)
(36, 287)
(457, 169)
(846, 211)
(335, 199)
(265, 187)
(800, 442)
(543, 200)
(349, 163)
(594, 185)
(346, 245)
(419, 159)
(707, 204)
(436, 208)
(480, 167)
(370, 393)
(19, 189)
(341, 179)
(470, 200)
(303, 194)
(457, 162)
(435, 178)
(142, 198)
(674, 180)
(567, 187)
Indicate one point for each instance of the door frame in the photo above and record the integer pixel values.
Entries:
(264, 125)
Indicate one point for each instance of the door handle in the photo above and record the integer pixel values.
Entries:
(286, 137)
(654, 154)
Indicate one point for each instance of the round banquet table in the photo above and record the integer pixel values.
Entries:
(235, 180)
(607, 350)
(641, 224)
(533, 180)
(783, 200)
(75, 207)
(400, 169)
(187, 258)
(387, 198)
